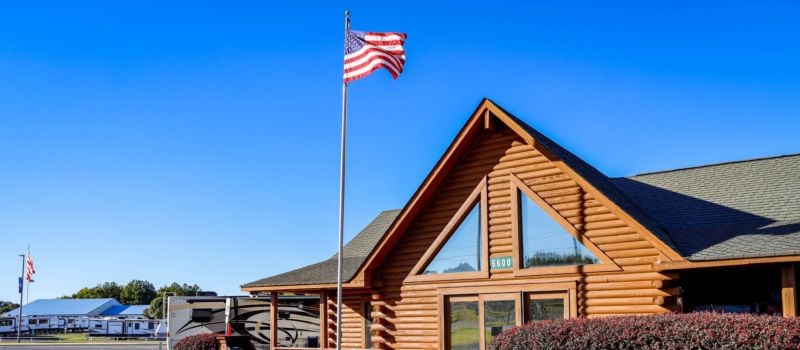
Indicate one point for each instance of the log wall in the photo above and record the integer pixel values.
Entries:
(406, 314)
(353, 332)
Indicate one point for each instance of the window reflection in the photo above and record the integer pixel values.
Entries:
(462, 251)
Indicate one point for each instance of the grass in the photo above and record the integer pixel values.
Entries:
(72, 338)
(78, 338)
(464, 337)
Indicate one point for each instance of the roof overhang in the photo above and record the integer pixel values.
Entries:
(688, 265)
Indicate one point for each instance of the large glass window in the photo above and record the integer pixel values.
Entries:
(545, 242)
(498, 317)
(474, 321)
(464, 329)
(462, 252)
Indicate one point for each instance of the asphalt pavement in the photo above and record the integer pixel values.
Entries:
(81, 346)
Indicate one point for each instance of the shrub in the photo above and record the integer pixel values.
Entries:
(204, 341)
(702, 330)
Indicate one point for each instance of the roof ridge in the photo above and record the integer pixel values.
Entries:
(709, 165)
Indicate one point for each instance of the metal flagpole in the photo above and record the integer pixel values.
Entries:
(28, 282)
(19, 316)
(341, 197)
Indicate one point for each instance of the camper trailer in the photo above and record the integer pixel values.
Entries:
(8, 325)
(298, 319)
(126, 328)
(43, 324)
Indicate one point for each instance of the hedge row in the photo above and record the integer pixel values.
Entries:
(203, 341)
(670, 331)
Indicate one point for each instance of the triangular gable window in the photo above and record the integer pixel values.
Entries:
(462, 252)
(545, 242)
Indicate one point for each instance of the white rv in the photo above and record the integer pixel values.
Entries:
(129, 328)
(298, 319)
(8, 325)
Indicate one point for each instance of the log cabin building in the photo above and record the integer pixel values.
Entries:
(509, 227)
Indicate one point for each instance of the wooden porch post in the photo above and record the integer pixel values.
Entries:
(273, 323)
(788, 290)
(323, 319)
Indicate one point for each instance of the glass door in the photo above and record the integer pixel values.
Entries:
(463, 316)
(500, 313)
(474, 321)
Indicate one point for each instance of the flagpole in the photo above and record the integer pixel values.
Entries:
(341, 199)
(27, 281)
(21, 285)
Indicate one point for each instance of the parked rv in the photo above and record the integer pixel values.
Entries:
(8, 325)
(298, 319)
(44, 324)
(130, 328)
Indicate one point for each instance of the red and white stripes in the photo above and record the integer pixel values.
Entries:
(379, 50)
(29, 271)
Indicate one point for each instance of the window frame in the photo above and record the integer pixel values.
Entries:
(518, 188)
(478, 196)
(527, 297)
(367, 310)
(520, 292)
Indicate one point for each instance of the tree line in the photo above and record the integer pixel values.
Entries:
(6, 306)
(136, 292)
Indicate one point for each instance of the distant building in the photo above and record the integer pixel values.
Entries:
(73, 314)
(66, 307)
(125, 312)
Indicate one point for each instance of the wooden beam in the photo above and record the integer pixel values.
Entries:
(788, 290)
(488, 124)
(323, 319)
(273, 323)
(302, 288)
(685, 265)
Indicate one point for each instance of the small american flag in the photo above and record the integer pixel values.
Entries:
(30, 270)
(366, 52)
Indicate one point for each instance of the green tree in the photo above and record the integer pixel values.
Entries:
(103, 290)
(137, 292)
(156, 306)
(6, 306)
(109, 290)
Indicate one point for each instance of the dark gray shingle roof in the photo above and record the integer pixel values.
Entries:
(732, 210)
(324, 272)
(598, 180)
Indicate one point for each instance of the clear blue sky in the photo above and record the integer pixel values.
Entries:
(198, 141)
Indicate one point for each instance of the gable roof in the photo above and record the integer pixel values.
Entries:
(324, 272)
(123, 310)
(487, 113)
(740, 209)
(766, 210)
(91, 307)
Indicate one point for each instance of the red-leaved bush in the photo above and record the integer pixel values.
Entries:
(670, 331)
(203, 341)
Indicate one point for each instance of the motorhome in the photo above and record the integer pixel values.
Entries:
(298, 319)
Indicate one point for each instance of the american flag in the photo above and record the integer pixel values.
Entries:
(30, 270)
(366, 52)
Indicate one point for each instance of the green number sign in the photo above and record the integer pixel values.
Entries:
(501, 262)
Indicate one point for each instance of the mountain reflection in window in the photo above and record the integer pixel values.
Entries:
(545, 242)
(462, 251)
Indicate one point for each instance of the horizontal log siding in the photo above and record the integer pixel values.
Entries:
(352, 318)
(406, 315)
